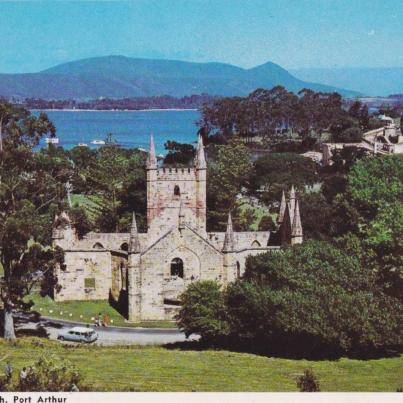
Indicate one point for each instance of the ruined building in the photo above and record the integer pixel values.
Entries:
(146, 272)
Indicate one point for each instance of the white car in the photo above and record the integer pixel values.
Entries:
(80, 334)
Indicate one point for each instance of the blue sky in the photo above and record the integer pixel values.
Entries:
(35, 35)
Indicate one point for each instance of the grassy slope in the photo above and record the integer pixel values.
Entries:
(258, 212)
(157, 369)
(91, 203)
(87, 309)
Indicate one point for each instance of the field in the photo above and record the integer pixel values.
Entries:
(83, 311)
(138, 368)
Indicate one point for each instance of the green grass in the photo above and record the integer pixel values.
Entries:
(258, 213)
(146, 368)
(92, 204)
(83, 311)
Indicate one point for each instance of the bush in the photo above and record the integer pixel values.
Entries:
(203, 311)
(308, 382)
(50, 374)
(312, 300)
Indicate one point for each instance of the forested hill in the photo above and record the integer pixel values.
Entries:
(122, 77)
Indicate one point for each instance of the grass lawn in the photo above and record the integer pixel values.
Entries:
(258, 213)
(92, 204)
(143, 368)
(83, 311)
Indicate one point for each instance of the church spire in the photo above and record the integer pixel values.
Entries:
(134, 243)
(200, 159)
(292, 199)
(229, 236)
(283, 206)
(296, 229)
(152, 160)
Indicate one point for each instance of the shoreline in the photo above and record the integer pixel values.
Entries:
(116, 110)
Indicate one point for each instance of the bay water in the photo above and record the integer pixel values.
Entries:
(129, 128)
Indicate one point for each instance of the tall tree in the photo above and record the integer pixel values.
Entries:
(31, 191)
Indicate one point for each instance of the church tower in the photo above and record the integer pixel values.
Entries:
(170, 189)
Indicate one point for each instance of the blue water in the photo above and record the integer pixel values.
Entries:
(129, 128)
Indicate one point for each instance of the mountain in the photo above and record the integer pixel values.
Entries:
(373, 81)
(119, 77)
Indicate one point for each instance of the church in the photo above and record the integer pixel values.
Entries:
(147, 272)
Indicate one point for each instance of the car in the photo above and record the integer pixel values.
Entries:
(79, 334)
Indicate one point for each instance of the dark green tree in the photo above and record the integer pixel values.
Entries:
(203, 312)
(31, 192)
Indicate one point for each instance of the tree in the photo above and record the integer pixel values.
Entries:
(202, 311)
(350, 135)
(275, 305)
(107, 175)
(226, 175)
(278, 171)
(317, 215)
(179, 154)
(267, 224)
(30, 194)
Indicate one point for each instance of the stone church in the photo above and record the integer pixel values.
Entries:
(146, 272)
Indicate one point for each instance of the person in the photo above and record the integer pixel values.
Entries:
(105, 320)
(99, 319)
(23, 378)
(8, 370)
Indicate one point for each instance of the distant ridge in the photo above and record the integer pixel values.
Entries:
(375, 81)
(120, 76)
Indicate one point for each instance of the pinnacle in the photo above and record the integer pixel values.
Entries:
(134, 244)
(229, 236)
(152, 160)
(200, 160)
(296, 229)
(283, 206)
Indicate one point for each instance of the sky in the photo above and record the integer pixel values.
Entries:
(35, 35)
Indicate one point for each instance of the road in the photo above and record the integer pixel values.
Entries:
(106, 335)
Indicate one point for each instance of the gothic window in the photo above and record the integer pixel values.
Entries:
(177, 267)
(255, 244)
(98, 246)
(177, 191)
(124, 246)
(238, 270)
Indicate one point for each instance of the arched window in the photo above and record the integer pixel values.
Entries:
(238, 270)
(177, 267)
(177, 191)
(124, 246)
(255, 244)
(98, 246)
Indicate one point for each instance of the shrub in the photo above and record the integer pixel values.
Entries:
(308, 382)
(49, 374)
(203, 311)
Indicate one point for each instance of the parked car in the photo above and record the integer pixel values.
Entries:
(79, 334)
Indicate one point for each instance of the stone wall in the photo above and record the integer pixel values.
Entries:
(88, 275)
(200, 261)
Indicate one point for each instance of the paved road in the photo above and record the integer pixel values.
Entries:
(107, 335)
